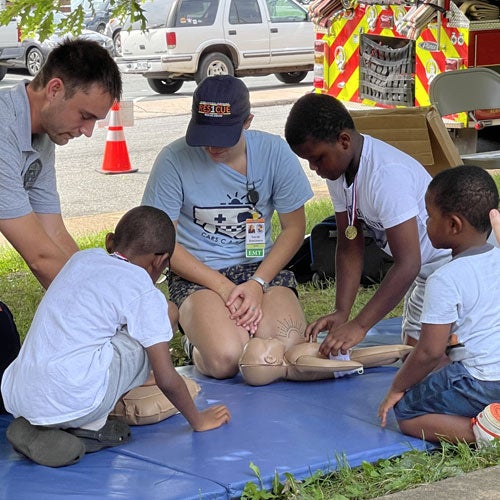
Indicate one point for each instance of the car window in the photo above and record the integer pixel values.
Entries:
(99, 6)
(156, 13)
(285, 11)
(196, 12)
(94, 6)
(244, 12)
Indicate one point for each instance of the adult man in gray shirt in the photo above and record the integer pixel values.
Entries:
(76, 87)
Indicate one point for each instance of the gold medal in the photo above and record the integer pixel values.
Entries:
(351, 232)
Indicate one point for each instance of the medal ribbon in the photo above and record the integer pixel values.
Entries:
(351, 214)
(118, 255)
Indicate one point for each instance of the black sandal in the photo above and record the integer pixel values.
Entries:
(113, 433)
(44, 445)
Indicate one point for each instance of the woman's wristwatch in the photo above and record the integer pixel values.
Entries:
(264, 284)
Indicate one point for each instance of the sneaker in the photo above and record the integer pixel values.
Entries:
(188, 347)
(44, 445)
(486, 426)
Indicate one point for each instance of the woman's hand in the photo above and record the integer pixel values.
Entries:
(245, 305)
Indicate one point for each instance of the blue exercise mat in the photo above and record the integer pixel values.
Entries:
(295, 427)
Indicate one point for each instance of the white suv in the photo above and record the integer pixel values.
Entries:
(193, 39)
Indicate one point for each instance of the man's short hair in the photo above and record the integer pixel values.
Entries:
(80, 64)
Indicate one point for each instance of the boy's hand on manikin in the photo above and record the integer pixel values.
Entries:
(342, 339)
(325, 323)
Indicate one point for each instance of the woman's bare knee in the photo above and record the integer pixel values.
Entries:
(218, 365)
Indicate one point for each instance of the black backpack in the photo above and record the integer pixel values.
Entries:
(315, 260)
(10, 342)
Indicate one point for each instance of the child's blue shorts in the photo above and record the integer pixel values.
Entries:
(450, 391)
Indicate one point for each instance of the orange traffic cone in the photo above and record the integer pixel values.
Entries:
(116, 159)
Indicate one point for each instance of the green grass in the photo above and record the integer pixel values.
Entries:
(384, 477)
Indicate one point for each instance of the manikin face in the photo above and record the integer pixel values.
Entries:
(63, 119)
(329, 160)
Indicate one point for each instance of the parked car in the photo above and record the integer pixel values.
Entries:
(193, 39)
(97, 19)
(113, 29)
(9, 44)
(34, 52)
(155, 12)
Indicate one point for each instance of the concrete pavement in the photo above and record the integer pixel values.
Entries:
(164, 106)
(482, 484)
(169, 106)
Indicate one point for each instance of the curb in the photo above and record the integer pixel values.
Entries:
(182, 106)
(483, 484)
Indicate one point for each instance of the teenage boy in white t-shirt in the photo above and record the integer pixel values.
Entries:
(100, 328)
(373, 183)
(461, 299)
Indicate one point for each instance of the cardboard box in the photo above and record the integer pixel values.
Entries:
(419, 132)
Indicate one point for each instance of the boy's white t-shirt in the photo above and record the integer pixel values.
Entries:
(390, 189)
(61, 372)
(465, 292)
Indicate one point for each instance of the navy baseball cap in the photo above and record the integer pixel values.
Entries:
(221, 104)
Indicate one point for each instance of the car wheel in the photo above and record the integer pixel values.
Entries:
(117, 42)
(291, 76)
(34, 61)
(3, 72)
(165, 85)
(214, 64)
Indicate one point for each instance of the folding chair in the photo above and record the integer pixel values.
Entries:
(468, 90)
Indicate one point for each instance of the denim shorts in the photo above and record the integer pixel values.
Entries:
(450, 391)
(179, 289)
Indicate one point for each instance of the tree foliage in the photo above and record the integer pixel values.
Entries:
(37, 16)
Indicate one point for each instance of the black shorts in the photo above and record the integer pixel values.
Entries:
(180, 288)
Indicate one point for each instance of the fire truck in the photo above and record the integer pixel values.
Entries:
(376, 53)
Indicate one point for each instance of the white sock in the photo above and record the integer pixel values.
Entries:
(95, 425)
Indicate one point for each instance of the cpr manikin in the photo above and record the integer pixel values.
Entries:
(266, 360)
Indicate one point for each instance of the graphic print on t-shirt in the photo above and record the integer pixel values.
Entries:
(32, 173)
(228, 219)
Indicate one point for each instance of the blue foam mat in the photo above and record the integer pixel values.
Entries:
(295, 427)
